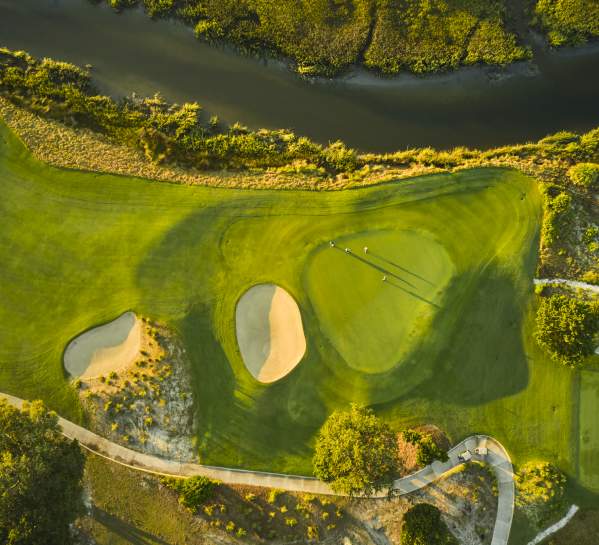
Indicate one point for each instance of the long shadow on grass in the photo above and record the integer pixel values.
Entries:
(474, 353)
(128, 532)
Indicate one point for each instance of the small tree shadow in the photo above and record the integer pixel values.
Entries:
(127, 531)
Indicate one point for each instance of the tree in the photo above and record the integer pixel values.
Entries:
(355, 452)
(40, 477)
(428, 451)
(423, 525)
(566, 327)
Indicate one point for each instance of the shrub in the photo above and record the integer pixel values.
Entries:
(427, 450)
(193, 492)
(565, 327)
(539, 483)
(422, 525)
(584, 175)
(355, 452)
(273, 495)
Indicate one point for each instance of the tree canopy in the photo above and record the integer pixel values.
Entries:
(566, 327)
(40, 478)
(355, 452)
(423, 525)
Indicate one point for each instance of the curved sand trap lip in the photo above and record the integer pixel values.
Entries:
(103, 349)
(270, 334)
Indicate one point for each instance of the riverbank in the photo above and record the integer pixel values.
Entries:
(367, 112)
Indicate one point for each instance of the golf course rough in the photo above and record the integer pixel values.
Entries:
(269, 332)
(109, 347)
(79, 248)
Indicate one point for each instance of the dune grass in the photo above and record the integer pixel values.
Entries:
(78, 249)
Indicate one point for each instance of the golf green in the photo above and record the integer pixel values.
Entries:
(376, 293)
(79, 249)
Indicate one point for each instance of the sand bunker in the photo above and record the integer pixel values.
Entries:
(269, 332)
(109, 347)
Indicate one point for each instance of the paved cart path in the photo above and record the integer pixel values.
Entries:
(572, 283)
(497, 457)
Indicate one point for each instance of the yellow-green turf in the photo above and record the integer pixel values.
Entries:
(376, 301)
(589, 430)
(78, 249)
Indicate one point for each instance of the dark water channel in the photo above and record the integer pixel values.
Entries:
(130, 52)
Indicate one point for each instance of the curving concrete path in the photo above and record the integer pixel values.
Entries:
(497, 457)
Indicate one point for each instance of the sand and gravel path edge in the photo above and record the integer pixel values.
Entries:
(497, 458)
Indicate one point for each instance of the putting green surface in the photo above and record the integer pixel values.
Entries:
(375, 301)
(589, 430)
(78, 249)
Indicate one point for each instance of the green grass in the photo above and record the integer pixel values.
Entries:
(589, 430)
(77, 249)
(374, 324)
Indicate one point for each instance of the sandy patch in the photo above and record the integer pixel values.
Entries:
(270, 333)
(109, 347)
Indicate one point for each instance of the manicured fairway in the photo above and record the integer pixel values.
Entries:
(589, 429)
(78, 249)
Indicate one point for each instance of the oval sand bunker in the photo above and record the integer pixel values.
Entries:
(103, 349)
(270, 334)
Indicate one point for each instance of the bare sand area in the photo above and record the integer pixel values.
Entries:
(109, 347)
(270, 333)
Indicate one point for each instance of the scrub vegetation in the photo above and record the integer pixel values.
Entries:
(568, 22)
(325, 36)
(428, 36)
(540, 489)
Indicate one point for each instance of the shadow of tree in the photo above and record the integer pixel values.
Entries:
(125, 530)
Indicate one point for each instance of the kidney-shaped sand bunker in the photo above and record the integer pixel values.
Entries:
(270, 334)
(109, 347)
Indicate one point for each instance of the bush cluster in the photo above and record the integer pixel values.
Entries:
(584, 175)
(427, 450)
(193, 491)
(432, 35)
(423, 525)
(539, 483)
